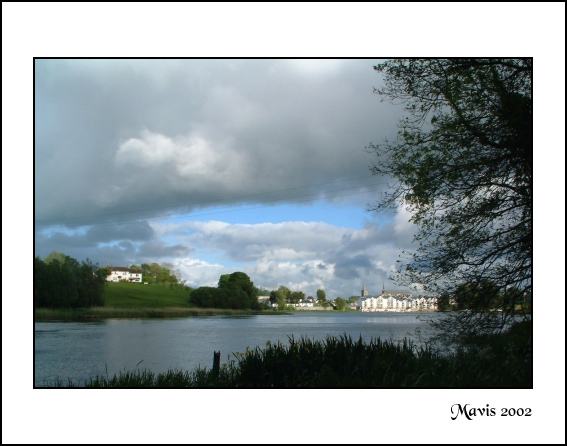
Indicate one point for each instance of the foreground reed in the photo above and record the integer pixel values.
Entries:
(497, 361)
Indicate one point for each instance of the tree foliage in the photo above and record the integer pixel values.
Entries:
(235, 291)
(321, 296)
(283, 296)
(163, 273)
(462, 165)
(340, 303)
(55, 255)
(296, 297)
(273, 297)
(64, 282)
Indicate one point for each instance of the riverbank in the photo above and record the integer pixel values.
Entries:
(100, 313)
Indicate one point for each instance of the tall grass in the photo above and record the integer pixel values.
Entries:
(500, 361)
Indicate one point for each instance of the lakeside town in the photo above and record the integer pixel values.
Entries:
(387, 300)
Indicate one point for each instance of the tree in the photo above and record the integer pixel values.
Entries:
(273, 297)
(462, 165)
(169, 274)
(444, 302)
(235, 291)
(340, 303)
(296, 297)
(68, 283)
(104, 272)
(283, 294)
(224, 280)
(477, 296)
(321, 296)
(204, 297)
(54, 255)
(163, 273)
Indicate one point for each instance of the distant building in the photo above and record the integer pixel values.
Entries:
(304, 303)
(364, 292)
(118, 273)
(395, 300)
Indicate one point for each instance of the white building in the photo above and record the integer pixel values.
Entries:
(395, 300)
(118, 273)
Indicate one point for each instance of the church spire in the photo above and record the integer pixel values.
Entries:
(364, 291)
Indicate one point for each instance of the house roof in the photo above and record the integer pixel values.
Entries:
(123, 269)
(397, 292)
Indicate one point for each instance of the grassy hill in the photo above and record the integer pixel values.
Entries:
(134, 300)
(135, 295)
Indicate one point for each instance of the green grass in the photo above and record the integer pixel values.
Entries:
(135, 295)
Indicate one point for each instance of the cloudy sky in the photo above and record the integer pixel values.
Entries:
(217, 165)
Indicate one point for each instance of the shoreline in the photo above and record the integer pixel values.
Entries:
(101, 313)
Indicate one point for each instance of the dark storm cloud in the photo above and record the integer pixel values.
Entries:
(117, 245)
(93, 237)
(64, 241)
(160, 250)
(137, 231)
(115, 138)
(349, 267)
(78, 247)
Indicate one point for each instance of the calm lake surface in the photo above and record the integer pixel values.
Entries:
(82, 350)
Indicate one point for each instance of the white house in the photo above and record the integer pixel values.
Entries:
(118, 273)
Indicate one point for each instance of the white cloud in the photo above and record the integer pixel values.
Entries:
(199, 272)
(267, 241)
(186, 160)
(403, 228)
(296, 254)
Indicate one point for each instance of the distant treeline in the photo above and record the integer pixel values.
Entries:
(235, 291)
(64, 282)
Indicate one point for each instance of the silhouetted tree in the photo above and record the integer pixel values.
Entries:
(68, 283)
(462, 165)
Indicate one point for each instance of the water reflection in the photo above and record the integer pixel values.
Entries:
(82, 350)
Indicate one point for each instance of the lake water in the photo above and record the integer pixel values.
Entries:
(82, 350)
